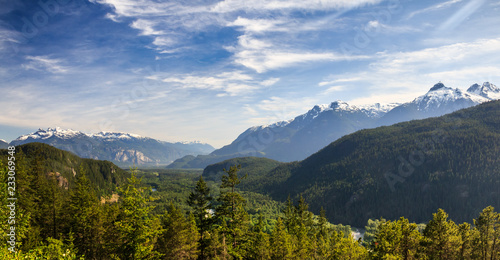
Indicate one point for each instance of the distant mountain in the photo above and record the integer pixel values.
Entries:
(407, 169)
(487, 90)
(300, 137)
(122, 148)
(62, 165)
(3, 144)
(438, 101)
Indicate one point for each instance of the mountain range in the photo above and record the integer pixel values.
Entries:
(124, 149)
(410, 168)
(304, 135)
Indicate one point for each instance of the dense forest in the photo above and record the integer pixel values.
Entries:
(55, 221)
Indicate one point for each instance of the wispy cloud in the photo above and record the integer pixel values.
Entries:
(236, 5)
(471, 7)
(233, 83)
(433, 8)
(146, 27)
(45, 63)
(262, 56)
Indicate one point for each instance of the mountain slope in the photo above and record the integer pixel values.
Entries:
(3, 144)
(103, 175)
(254, 168)
(305, 134)
(411, 168)
(122, 148)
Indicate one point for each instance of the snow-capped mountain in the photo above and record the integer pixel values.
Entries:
(297, 138)
(487, 90)
(121, 148)
(438, 101)
(3, 144)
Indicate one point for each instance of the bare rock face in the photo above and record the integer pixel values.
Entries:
(133, 156)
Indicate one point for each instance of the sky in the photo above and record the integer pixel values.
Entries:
(206, 70)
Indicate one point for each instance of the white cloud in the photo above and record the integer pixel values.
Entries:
(236, 5)
(146, 27)
(262, 56)
(376, 26)
(434, 8)
(233, 83)
(339, 80)
(444, 55)
(258, 25)
(269, 82)
(44, 63)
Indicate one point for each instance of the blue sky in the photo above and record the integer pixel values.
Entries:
(208, 70)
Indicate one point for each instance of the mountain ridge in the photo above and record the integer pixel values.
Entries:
(122, 148)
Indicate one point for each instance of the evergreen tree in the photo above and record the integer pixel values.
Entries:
(232, 213)
(441, 237)
(85, 217)
(179, 237)
(259, 247)
(468, 237)
(137, 230)
(281, 246)
(396, 239)
(488, 225)
(346, 247)
(200, 201)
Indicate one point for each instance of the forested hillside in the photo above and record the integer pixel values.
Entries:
(103, 175)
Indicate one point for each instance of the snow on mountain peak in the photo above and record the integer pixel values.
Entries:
(341, 105)
(58, 132)
(437, 86)
(486, 90)
(46, 134)
(440, 95)
(109, 136)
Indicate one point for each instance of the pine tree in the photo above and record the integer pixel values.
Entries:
(200, 201)
(232, 213)
(137, 230)
(441, 237)
(488, 225)
(85, 217)
(179, 237)
(259, 247)
(323, 237)
(397, 239)
(281, 246)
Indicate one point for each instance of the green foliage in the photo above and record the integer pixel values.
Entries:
(231, 212)
(179, 236)
(200, 201)
(396, 240)
(136, 229)
(488, 226)
(441, 237)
